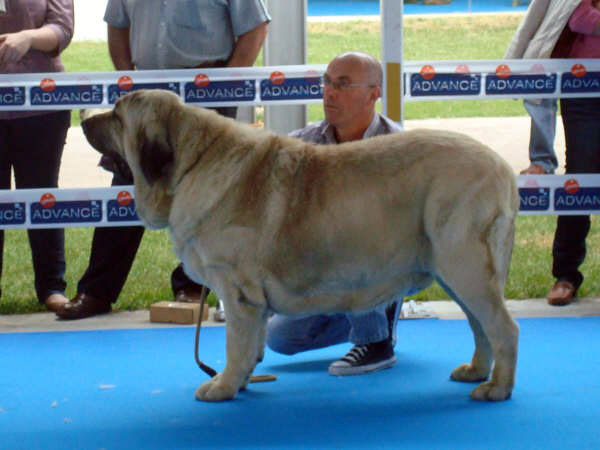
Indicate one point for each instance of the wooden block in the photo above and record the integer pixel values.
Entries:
(177, 312)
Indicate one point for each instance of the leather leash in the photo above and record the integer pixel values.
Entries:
(209, 370)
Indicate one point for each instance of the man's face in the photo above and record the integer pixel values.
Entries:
(351, 105)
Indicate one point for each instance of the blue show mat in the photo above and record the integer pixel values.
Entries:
(134, 389)
(371, 7)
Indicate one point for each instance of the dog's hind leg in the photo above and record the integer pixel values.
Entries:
(478, 284)
(483, 357)
(245, 330)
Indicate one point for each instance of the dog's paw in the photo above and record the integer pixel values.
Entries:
(215, 391)
(468, 373)
(491, 391)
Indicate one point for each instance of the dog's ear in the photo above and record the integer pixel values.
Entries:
(156, 154)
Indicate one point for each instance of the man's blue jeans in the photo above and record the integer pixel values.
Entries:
(294, 334)
(543, 132)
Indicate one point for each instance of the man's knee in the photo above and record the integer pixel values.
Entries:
(278, 337)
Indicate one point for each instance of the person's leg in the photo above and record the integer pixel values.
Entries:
(581, 120)
(374, 336)
(368, 327)
(5, 167)
(542, 134)
(185, 289)
(569, 249)
(111, 257)
(39, 143)
(290, 335)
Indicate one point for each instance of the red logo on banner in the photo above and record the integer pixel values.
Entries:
(427, 72)
(47, 85)
(201, 80)
(530, 183)
(578, 70)
(503, 71)
(124, 198)
(82, 81)
(463, 68)
(538, 69)
(312, 74)
(277, 77)
(47, 200)
(125, 82)
(571, 186)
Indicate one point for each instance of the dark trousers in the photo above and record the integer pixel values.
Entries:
(113, 252)
(32, 147)
(581, 120)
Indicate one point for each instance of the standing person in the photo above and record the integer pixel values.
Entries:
(33, 33)
(351, 87)
(536, 38)
(581, 121)
(155, 34)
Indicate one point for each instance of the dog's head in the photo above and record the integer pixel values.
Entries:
(136, 133)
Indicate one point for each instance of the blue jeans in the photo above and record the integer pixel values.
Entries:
(543, 131)
(581, 120)
(294, 334)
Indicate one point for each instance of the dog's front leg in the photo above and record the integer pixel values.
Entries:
(246, 322)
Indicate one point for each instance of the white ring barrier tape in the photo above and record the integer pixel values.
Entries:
(435, 80)
(491, 80)
(284, 85)
(115, 206)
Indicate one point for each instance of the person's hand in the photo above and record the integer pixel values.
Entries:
(14, 46)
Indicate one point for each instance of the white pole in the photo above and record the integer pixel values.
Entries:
(286, 44)
(391, 51)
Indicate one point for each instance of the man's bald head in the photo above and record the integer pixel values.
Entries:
(367, 63)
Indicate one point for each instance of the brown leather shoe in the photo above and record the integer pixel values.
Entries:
(192, 295)
(82, 306)
(55, 302)
(533, 169)
(561, 294)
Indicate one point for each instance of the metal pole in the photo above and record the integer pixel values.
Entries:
(391, 43)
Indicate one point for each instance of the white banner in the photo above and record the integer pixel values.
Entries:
(115, 206)
(284, 85)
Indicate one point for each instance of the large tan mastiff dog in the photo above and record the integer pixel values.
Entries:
(272, 223)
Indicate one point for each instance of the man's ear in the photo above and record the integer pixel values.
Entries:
(156, 154)
(376, 93)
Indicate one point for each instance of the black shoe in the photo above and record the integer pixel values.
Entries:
(192, 295)
(365, 358)
(82, 306)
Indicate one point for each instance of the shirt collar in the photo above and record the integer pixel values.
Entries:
(328, 131)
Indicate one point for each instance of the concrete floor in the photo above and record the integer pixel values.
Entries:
(445, 310)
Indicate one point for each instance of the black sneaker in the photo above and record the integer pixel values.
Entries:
(365, 358)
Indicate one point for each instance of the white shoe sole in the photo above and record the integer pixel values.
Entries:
(344, 370)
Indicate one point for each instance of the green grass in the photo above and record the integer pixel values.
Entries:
(476, 37)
